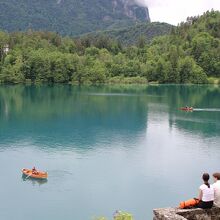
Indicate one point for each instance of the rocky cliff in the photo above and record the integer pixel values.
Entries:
(187, 214)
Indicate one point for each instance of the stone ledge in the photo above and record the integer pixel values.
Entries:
(167, 214)
(184, 214)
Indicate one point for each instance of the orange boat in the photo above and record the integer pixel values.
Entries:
(186, 108)
(36, 174)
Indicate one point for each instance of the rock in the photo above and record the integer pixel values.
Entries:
(183, 214)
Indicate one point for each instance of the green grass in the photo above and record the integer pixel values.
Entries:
(214, 80)
(127, 80)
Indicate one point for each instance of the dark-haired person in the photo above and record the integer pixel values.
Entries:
(206, 193)
(216, 187)
(34, 171)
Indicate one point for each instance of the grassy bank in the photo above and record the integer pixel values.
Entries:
(214, 80)
(126, 80)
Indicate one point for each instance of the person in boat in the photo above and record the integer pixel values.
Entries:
(206, 193)
(34, 171)
(216, 187)
(188, 108)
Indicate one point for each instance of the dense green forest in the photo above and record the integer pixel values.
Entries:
(69, 17)
(189, 54)
(130, 35)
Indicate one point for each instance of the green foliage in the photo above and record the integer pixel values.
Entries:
(119, 215)
(101, 218)
(127, 80)
(206, 49)
(137, 34)
(213, 80)
(189, 71)
(190, 54)
(4, 38)
(12, 72)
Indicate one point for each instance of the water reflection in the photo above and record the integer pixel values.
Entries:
(34, 181)
(69, 115)
(40, 112)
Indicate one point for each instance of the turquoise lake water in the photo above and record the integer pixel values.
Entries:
(105, 148)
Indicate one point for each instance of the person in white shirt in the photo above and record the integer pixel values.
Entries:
(216, 187)
(206, 193)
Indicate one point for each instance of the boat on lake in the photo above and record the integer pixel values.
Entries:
(186, 108)
(36, 174)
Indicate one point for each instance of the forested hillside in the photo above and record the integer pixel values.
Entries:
(69, 17)
(190, 54)
(131, 35)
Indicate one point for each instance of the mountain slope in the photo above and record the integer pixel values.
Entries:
(131, 35)
(70, 17)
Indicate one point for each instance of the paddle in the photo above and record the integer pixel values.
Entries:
(28, 176)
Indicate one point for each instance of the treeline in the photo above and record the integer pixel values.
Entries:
(190, 54)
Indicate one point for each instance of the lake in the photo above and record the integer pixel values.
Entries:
(106, 148)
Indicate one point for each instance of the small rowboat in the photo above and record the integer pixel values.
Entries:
(186, 108)
(37, 174)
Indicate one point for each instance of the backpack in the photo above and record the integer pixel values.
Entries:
(189, 203)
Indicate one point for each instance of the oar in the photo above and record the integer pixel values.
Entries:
(28, 176)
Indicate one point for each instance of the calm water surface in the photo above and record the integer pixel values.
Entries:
(105, 148)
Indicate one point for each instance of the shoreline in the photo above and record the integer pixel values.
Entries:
(114, 81)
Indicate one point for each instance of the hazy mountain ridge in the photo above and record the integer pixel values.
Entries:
(70, 17)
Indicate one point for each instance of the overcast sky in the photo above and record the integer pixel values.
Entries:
(175, 11)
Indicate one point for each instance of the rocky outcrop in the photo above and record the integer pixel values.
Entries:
(183, 214)
(132, 9)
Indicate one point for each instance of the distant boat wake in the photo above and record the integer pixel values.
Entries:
(207, 109)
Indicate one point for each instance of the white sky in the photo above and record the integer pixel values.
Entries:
(175, 11)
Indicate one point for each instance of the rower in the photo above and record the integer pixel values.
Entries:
(34, 171)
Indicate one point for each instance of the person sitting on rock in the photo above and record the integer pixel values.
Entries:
(206, 193)
(216, 187)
